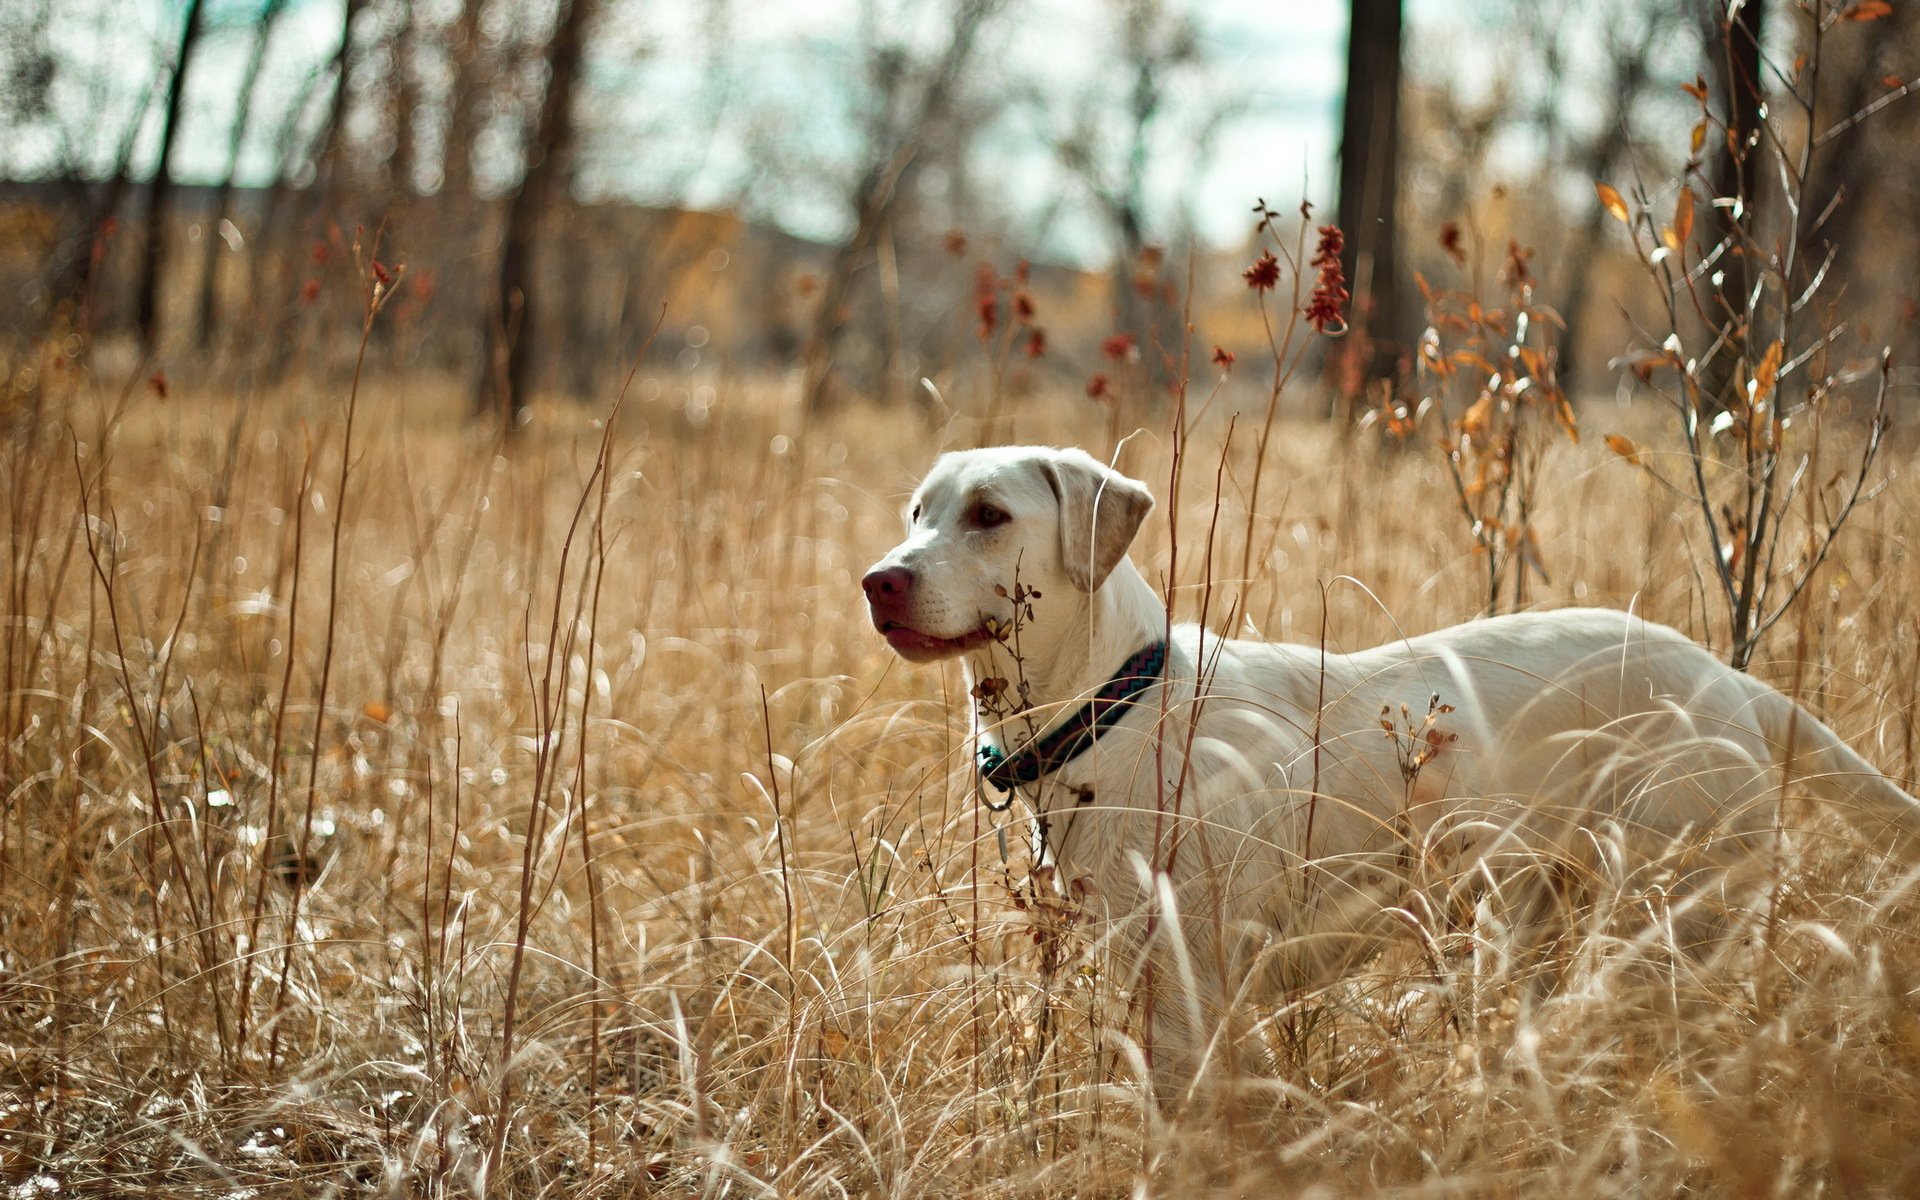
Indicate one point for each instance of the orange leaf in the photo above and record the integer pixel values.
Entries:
(374, 710)
(1868, 10)
(1683, 217)
(1611, 201)
(1467, 358)
(1699, 137)
(1892, 81)
(1624, 447)
(1697, 89)
(1766, 375)
(1567, 419)
(1476, 417)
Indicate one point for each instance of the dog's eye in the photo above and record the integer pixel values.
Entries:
(914, 517)
(986, 516)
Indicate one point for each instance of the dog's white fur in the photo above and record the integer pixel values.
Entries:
(1570, 733)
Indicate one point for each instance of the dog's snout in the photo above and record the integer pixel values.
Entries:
(887, 583)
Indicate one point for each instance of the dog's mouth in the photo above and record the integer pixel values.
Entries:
(915, 646)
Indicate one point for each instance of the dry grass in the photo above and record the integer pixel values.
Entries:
(594, 824)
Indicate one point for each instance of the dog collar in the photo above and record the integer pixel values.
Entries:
(1074, 736)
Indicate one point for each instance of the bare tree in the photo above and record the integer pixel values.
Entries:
(223, 194)
(1370, 169)
(1158, 42)
(147, 300)
(89, 190)
(507, 365)
(1629, 47)
(1865, 157)
(907, 104)
(1606, 74)
(332, 140)
(1767, 371)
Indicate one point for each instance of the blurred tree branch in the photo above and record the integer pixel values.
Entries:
(893, 141)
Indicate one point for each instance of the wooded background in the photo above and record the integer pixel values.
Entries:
(555, 216)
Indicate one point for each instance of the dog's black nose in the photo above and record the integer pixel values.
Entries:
(887, 581)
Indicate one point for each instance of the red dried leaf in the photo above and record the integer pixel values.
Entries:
(1262, 275)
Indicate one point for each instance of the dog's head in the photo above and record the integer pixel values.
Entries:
(986, 526)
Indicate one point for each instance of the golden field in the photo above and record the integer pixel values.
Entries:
(435, 815)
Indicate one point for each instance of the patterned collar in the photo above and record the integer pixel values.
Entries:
(1074, 736)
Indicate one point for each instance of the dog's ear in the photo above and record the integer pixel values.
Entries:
(1100, 511)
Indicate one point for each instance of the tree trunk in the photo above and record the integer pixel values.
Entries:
(456, 181)
(1369, 175)
(404, 93)
(223, 196)
(74, 268)
(147, 302)
(507, 372)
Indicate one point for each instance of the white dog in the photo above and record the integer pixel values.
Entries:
(1244, 812)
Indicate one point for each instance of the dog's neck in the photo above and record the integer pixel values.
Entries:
(1103, 629)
